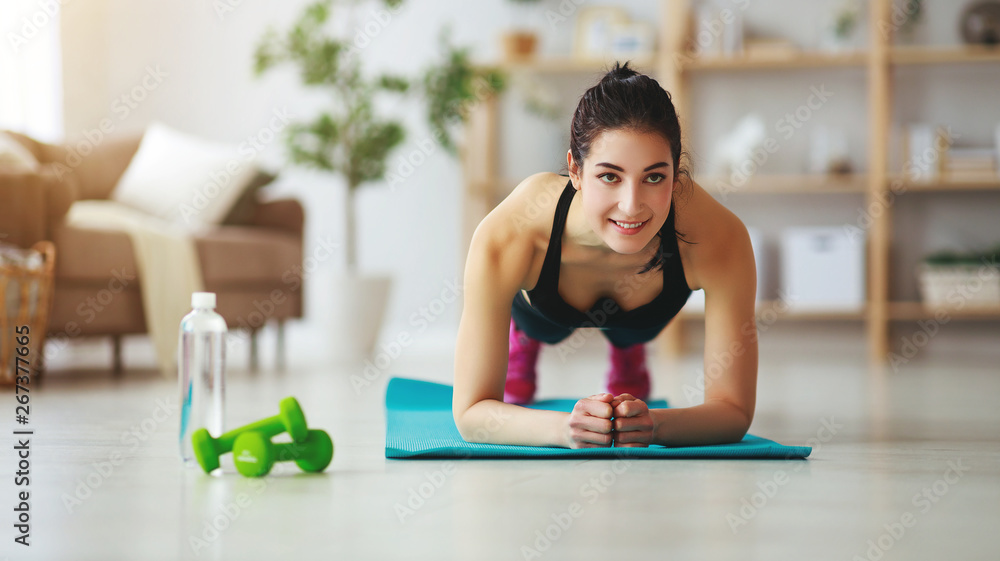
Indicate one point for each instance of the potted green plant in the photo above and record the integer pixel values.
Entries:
(960, 279)
(520, 41)
(353, 140)
(453, 86)
(842, 26)
(992, 256)
(350, 139)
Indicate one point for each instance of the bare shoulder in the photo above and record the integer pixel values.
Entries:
(531, 205)
(719, 238)
(517, 231)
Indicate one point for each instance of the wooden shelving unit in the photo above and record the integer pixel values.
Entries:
(947, 183)
(803, 59)
(567, 65)
(673, 67)
(787, 184)
(912, 311)
(943, 55)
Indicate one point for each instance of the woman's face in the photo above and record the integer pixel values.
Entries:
(626, 185)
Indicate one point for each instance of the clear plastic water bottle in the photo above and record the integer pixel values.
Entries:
(201, 371)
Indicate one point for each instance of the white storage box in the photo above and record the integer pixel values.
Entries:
(823, 269)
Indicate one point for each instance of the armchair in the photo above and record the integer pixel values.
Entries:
(250, 261)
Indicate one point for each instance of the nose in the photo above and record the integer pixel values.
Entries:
(629, 202)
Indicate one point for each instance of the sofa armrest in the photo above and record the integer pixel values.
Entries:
(32, 203)
(22, 209)
(282, 214)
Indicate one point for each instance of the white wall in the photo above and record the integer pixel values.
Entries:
(31, 89)
(413, 232)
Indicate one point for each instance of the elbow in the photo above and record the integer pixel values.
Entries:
(480, 422)
(466, 427)
(738, 424)
(459, 415)
(742, 423)
(740, 430)
(734, 433)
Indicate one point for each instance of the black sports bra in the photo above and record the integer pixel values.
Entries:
(545, 298)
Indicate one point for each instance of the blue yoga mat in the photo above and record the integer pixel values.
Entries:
(419, 424)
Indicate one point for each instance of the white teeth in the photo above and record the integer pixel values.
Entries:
(629, 226)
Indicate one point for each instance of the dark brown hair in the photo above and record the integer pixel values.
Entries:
(626, 99)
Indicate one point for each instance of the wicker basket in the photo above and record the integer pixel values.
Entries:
(960, 286)
(25, 300)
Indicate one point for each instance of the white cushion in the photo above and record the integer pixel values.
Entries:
(14, 156)
(183, 178)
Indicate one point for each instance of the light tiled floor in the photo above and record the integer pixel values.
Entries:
(881, 482)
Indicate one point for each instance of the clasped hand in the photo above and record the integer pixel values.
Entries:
(603, 420)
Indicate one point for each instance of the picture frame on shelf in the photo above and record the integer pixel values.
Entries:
(717, 31)
(634, 40)
(593, 33)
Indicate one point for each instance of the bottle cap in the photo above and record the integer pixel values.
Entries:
(203, 300)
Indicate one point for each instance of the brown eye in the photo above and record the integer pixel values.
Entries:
(659, 177)
(606, 175)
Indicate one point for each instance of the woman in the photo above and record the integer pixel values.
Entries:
(602, 250)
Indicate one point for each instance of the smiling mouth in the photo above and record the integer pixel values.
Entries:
(628, 225)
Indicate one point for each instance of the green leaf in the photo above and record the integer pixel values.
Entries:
(370, 151)
(454, 87)
(349, 138)
(394, 83)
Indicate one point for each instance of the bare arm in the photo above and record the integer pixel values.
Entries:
(729, 279)
(495, 269)
(499, 261)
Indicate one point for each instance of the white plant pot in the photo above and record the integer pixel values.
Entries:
(358, 308)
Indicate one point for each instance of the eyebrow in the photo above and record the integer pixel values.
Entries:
(618, 168)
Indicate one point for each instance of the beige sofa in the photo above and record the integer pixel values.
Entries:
(252, 261)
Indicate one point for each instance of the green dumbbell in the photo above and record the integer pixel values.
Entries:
(290, 420)
(254, 454)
